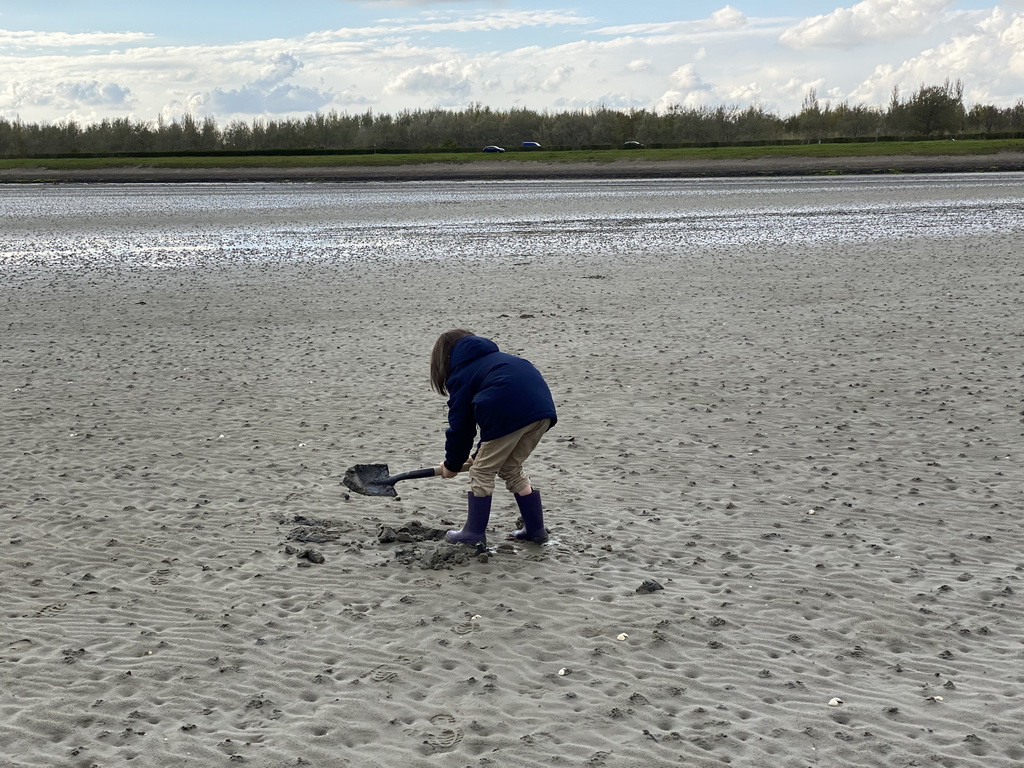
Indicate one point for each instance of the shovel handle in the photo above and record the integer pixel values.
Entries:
(414, 474)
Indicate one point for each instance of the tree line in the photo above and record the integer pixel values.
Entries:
(929, 112)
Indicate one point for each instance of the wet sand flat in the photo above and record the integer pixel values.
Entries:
(810, 442)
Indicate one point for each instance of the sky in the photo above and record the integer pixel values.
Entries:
(231, 60)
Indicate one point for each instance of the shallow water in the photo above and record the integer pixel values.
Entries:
(71, 227)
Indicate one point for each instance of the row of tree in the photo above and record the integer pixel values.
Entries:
(931, 111)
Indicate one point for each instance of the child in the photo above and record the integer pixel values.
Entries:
(509, 401)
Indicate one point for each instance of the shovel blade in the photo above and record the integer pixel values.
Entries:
(369, 480)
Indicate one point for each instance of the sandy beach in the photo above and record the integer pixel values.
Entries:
(785, 497)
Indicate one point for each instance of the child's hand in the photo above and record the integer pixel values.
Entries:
(447, 474)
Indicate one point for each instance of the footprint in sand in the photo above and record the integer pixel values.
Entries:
(13, 650)
(443, 734)
(386, 673)
(51, 610)
(382, 674)
(447, 735)
(465, 627)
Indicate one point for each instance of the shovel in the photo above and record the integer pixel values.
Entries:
(376, 480)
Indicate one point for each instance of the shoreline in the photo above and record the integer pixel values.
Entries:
(525, 170)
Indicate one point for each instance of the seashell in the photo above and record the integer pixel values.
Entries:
(810, 511)
(835, 703)
(934, 698)
(623, 636)
(564, 671)
(474, 618)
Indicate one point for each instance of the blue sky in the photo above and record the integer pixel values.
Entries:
(243, 60)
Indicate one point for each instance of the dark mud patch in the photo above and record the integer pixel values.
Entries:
(421, 546)
(438, 556)
(413, 531)
(308, 530)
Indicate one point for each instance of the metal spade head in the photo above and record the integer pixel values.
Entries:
(370, 480)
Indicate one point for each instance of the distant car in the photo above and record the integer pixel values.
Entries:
(492, 148)
(531, 145)
(632, 145)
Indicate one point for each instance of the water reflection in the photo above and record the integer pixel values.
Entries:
(158, 226)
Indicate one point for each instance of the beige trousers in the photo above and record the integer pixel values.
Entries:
(504, 457)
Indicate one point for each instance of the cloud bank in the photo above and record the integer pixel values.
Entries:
(506, 58)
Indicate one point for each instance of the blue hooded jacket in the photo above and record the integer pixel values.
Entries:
(492, 390)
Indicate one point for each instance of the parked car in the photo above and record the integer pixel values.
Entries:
(531, 145)
(632, 145)
(493, 148)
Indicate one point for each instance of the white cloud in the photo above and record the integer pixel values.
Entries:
(281, 67)
(28, 39)
(460, 22)
(266, 94)
(868, 21)
(556, 78)
(989, 59)
(687, 89)
(721, 25)
(67, 95)
(671, 99)
(1013, 38)
(1007, 34)
(729, 17)
(745, 93)
(451, 79)
(250, 100)
(686, 78)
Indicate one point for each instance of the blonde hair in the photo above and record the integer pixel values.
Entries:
(441, 358)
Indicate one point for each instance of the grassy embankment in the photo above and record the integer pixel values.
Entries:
(865, 149)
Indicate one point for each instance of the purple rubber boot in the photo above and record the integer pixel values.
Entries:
(533, 519)
(475, 530)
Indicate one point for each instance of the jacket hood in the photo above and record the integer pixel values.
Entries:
(471, 348)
